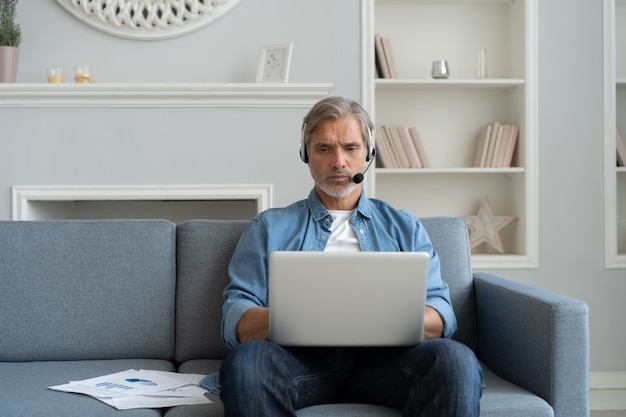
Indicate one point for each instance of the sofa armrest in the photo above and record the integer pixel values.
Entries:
(536, 339)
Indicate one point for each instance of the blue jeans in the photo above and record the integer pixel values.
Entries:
(438, 377)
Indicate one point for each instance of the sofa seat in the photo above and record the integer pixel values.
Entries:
(203, 367)
(25, 384)
(500, 399)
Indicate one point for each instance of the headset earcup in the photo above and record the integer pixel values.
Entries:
(303, 154)
(371, 147)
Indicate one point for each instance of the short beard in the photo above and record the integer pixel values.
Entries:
(337, 191)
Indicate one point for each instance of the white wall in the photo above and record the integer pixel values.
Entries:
(175, 146)
(571, 216)
(198, 146)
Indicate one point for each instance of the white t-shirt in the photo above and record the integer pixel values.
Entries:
(342, 236)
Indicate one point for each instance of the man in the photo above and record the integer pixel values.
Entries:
(438, 377)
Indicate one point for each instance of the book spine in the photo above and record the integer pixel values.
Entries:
(409, 147)
(419, 145)
(620, 144)
(380, 55)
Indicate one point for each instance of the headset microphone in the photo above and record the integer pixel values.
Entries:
(358, 178)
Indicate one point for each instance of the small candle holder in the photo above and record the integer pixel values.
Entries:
(82, 74)
(55, 75)
(440, 69)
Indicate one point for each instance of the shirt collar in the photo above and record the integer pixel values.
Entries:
(318, 211)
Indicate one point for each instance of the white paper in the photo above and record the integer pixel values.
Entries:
(187, 395)
(141, 389)
(186, 378)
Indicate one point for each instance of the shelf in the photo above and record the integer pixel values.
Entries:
(413, 2)
(453, 171)
(448, 84)
(450, 113)
(163, 94)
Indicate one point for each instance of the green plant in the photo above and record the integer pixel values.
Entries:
(10, 31)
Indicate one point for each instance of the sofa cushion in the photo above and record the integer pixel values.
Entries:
(500, 399)
(81, 290)
(216, 409)
(348, 410)
(504, 399)
(204, 251)
(25, 386)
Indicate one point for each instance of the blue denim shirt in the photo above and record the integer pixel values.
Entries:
(305, 226)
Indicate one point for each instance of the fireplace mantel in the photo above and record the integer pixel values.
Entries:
(25, 198)
(144, 95)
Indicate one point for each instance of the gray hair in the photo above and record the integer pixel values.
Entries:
(335, 108)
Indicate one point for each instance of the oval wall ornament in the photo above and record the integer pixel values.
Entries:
(148, 19)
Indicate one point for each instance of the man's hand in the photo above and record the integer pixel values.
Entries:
(254, 325)
(433, 324)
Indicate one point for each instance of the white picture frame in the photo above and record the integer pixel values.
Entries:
(274, 63)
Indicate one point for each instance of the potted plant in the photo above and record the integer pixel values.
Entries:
(10, 38)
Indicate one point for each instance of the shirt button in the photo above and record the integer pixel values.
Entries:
(323, 237)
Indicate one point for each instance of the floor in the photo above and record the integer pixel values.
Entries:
(608, 413)
(607, 403)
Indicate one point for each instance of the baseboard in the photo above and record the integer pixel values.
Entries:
(607, 380)
(607, 390)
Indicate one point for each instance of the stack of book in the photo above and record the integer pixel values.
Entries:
(496, 145)
(400, 147)
(385, 64)
(620, 143)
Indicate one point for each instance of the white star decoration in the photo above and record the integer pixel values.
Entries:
(485, 227)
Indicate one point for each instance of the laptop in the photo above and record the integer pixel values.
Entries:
(347, 298)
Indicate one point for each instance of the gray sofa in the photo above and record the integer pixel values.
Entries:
(80, 299)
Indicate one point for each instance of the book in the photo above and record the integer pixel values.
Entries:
(395, 163)
(501, 147)
(391, 63)
(510, 148)
(496, 145)
(417, 141)
(381, 59)
(496, 132)
(409, 147)
(400, 147)
(620, 144)
(392, 154)
(396, 144)
(480, 155)
(383, 152)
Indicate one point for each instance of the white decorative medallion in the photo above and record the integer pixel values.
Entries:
(148, 19)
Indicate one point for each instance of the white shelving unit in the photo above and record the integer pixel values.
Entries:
(614, 114)
(449, 113)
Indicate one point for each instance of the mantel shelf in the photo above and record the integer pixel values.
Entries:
(163, 94)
